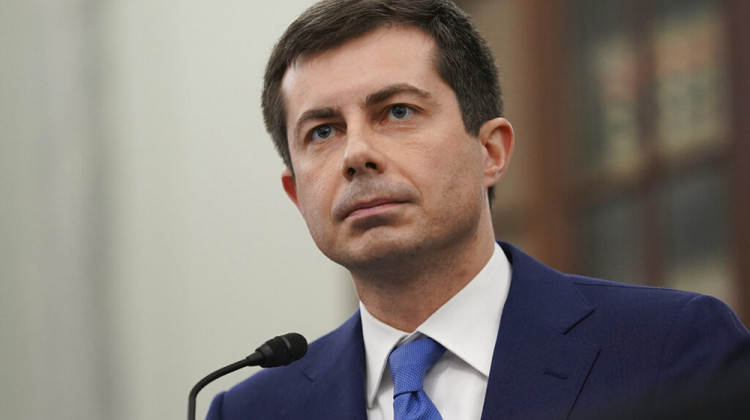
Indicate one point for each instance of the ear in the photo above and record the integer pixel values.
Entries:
(290, 186)
(496, 137)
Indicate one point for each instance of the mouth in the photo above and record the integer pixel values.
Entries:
(371, 207)
(362, 209)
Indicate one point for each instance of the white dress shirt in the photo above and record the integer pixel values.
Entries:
(466, 326)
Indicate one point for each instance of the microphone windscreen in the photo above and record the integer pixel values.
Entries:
(283, 349)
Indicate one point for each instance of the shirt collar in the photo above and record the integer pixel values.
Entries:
(466, 325)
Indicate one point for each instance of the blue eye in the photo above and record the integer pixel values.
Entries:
(400, 112)
(323, 132)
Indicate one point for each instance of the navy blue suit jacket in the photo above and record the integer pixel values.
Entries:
(567, 346)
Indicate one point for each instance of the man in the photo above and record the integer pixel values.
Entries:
(388, 116)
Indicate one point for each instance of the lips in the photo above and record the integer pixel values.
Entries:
(353, 206)
(367, 207)
(362, 199)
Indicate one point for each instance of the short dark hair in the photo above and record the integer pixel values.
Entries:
(464, 60)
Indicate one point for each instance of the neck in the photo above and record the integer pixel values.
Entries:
(404, 295)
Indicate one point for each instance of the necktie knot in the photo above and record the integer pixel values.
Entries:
(408, 364)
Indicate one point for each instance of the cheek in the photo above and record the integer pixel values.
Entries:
(314, 196)
(465, 189)
(457, 168)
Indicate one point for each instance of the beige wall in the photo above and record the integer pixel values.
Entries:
(144, 237)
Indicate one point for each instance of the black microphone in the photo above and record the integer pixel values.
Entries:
(278, 351)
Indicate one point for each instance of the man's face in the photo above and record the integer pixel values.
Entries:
(384, 169)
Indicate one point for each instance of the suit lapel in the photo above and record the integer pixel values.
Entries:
(335, 366)
(537, 369)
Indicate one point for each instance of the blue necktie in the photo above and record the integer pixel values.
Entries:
(408, 365)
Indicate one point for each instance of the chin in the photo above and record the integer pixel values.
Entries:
(376, 254)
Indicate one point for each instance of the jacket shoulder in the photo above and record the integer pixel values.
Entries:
(270, 393)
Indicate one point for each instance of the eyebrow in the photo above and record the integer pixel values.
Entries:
(393, 90)
(314, 114)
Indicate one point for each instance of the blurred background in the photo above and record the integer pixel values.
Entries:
(145, 240)
(633, 144)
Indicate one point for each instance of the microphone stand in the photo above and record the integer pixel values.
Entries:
(278, 351)
(212, 377)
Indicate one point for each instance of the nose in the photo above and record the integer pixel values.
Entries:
(362, 155)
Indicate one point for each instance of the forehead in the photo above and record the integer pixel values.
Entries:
(388, 55)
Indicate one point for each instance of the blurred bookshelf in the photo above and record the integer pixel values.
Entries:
(632, 160)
